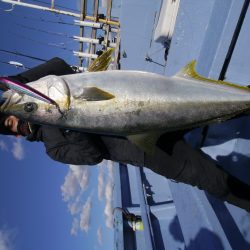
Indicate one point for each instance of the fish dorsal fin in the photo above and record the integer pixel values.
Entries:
(189, 72)
(146, 141)
(94, 94)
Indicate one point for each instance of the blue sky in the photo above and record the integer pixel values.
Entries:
(45, 204)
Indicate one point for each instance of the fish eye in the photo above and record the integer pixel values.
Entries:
(30, 107)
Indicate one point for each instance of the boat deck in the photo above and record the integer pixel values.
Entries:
(175, 215)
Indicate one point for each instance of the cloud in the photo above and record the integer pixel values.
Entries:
(82, 174)
(69, 187)
(108, 210)
(99, 235)
(75, 183)
(75, 206)
(104, 3)
(85, 215)
(74, 228)
(3, 146)
(76, 179)
(6, 240)
(17, 149)
(101, 184)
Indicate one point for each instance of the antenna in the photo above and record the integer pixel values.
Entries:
(96, 22)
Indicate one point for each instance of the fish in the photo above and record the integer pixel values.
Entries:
(135, 104)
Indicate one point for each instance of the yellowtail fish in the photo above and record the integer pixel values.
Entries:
(138, 105)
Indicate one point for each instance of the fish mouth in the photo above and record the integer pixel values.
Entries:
(52, 86)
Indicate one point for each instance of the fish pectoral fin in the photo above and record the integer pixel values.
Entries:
(94, 94)
(146, 141)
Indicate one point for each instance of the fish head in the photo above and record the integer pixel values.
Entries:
(37, 111)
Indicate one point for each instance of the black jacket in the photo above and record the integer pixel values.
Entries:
(63, 145)
(68, 146)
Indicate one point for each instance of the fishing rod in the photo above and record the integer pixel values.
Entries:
(56, 5)
(40, 42)
(44, 31)
(23, 55)
(38, 19)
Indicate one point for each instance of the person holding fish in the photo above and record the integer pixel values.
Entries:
(163, 151)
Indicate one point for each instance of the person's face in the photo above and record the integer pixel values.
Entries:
(11, 123)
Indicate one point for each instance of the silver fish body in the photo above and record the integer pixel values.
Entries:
(129, 102)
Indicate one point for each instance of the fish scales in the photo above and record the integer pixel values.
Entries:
(130, 102)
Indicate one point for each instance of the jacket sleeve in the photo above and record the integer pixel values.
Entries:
(72, 147)
(55, 66)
